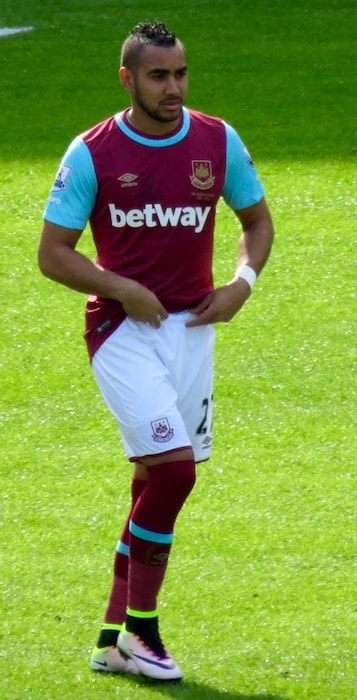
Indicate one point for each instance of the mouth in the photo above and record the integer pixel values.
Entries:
(173, 104)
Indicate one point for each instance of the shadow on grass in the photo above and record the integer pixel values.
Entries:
(200, 691)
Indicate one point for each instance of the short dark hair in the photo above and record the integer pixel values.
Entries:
(145, 34)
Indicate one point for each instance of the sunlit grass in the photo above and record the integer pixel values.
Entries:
(258, 602)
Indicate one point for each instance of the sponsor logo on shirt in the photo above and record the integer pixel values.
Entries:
(153, 215)
(202, 177)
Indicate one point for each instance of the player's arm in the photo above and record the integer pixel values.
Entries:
(257, 237)
(253, 250)
(59, 260)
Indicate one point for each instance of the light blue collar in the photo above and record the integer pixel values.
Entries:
(154, 142)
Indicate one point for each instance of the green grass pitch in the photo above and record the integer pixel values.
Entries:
(259, 601)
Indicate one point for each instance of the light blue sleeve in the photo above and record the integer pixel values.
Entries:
(73, 194)
(242, 187)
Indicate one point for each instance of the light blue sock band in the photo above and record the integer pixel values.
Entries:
(149, 535)
(122, 548)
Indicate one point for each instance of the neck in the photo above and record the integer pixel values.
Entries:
(148, 125)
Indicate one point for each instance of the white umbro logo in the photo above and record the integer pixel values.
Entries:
(128, 180)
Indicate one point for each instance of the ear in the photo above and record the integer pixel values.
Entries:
(126, 78)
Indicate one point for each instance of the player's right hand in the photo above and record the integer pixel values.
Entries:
(140, 304)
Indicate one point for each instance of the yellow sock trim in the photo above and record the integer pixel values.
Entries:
(111, 626)
(139, 613)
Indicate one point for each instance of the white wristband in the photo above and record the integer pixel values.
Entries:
(246, 273)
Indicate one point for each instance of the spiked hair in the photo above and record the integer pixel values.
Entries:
(145, 34)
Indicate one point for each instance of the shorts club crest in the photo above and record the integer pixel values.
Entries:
(161, 430)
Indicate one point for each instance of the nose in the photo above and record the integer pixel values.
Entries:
(172, 86)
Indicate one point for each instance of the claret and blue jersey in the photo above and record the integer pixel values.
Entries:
(151, 205)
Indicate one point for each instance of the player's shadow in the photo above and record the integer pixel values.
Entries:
(187, 690)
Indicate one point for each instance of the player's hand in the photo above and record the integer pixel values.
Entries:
(140, 304)
(221, 304)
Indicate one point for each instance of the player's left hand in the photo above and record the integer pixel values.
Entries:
(221, 304)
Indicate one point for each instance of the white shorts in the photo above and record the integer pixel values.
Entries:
(158, 383)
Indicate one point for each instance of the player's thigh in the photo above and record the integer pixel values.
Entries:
(127, 372)
(137, 387)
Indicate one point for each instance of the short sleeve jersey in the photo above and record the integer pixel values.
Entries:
(151, 204)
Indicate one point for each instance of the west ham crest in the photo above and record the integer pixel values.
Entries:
(202, 177)
(162, 432)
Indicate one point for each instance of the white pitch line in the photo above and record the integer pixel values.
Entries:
(8, 31)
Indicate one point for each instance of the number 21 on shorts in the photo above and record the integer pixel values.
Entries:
(203, 426)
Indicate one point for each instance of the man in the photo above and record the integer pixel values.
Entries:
(148, 180)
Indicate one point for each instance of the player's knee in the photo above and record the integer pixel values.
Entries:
(182, 476)
(176, 478)
(168, 487)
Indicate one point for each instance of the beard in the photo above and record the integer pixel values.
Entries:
(154, 113)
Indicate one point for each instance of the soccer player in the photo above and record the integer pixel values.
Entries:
(148, 180)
